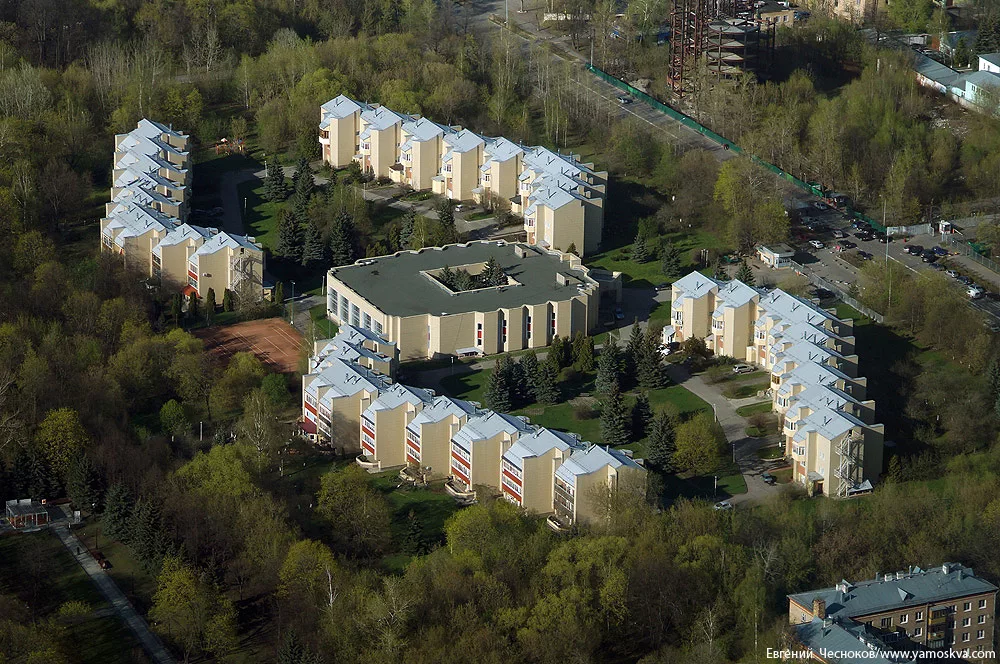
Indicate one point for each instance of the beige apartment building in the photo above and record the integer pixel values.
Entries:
(560, 197)
(347, 405)
(831, 437)
(145, 220)
(546, 294)
(527, 469)
(943, 608)
(581, 480)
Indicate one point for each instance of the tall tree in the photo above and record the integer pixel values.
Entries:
(493, 274)
(745, 274)
(498, 388)
(640, 254)
(289, 244)
(546, 390)
(359, 515)
(642, 414)
(660, 446)
(342, 241)
(117, 515)
(614, 418)
(447, 232)
(649, 363)
(530, 366)
(609, 367)
(583, 352)
(210, 305)
(313, 249)
(84, 484)
(670, 262)
(60, 438)
(193, 305)
(406, 227)
(275, 187)
(699, 444)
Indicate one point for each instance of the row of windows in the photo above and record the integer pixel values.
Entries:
(461, 453)
(919, 615)
(511, 468)
(413, 437)
(510, 485)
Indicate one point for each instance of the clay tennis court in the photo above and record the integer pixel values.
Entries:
(276, 344)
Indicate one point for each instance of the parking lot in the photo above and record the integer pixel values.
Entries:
(837, 259)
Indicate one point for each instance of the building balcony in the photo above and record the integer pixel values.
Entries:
(413, 475)
(369, 463)
(558, 525)
(324, 140)
(461, 495)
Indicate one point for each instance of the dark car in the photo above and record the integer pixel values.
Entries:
(962, 279)
(928, 257)
(864, 255)
(883, 238)
(823, 294)
(940, 251)
(662, 287)
(913, 249)
(769, 478)
(847, 244)
(937, 267)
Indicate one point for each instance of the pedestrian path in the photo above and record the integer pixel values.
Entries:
(150, 642)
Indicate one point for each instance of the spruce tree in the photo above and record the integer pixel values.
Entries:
(177, 308)
(275, 188)
(546, 390)
(227, 299)
(447, 277)
(993, 378)
(193, 305)
(516, 379)
(660, 445)
(117, 515)
(639, 252)
(278, 296)
(447, 232)
(291, 650)
(608, 367)
(304, 185)
(493, 274)
(84, 484)
(642, 415)
(498, 389)
(529, 366)
(745, 274)
(342, 241)
(406, 227)
(670, 262)
(571, 249)
(289, 245)
(464, 281)
(147, 539)
(210, 305)
(583, 352)
(313, 249)
(633, 352)
(614, 418)
(649, 366)
(413, 540)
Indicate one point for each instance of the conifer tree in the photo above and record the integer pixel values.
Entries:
(583, 352)
(649, 367)
(498, 389)
(670, 262)
(117, 516)
(406, 227)
(529, 366)
(464, 281)
(227, 299)
(447, 277)
(447, 232)
(291, 650)
(275, 187)
(608, 367)
(193, 305)
(642, 414)
(84, 484)
(640, 254)
(289, 245)
(546, 390)
(660, 445)
(614, 418)
(745, 274)
(210, 305)
(278, 295)
(313, 249)
(342, 241)
(633, 352)
(493, 274)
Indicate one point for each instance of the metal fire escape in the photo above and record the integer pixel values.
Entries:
(244, 276)
(851, 451)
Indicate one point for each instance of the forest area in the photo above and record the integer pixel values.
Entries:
(102, 392)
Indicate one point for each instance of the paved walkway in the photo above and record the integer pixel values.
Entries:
(150, 642)
(734, 426)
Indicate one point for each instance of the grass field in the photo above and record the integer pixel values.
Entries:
(754, 409)
(430, 506)
(744, 390)
(261, 217)
(41, 573)
(325, 328)
(135, 582)
(649, 274)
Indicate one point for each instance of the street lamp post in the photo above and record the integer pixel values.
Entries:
(291, 305)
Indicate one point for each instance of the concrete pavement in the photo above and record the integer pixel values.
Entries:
(149, 641)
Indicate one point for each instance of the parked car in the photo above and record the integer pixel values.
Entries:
(865, 256)
(662, 287)
(816, 244)
(864, 236)
(861, 226)
(952, 273)
(839, 234)
(743, 368)
(883, 238)
(847, 244)
(820, 205)
(619, 314)
(940, 251)
(769, 478)
(623, 100)
(928, 257)
(913, 249)
(974, 292)
(962, 279)
(937, 267)
(723, 505)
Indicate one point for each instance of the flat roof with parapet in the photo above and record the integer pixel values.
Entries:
(399, 286)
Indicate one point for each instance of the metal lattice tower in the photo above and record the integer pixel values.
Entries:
(851, 451)
(687, 30)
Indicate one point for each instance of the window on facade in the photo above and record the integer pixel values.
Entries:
(479, 334)
(917, 631)
(965, 636)
(355, 315)
(527, 326)
(903, 619)
(344, 310)
(967, 606)
(552, 323)
(980, 634)
(886, 622)
(367, 322)
(982, 604)
(918, 616)
(966, 622)
(981, 619)
(378, 327)
(192, 281)
(503, 331)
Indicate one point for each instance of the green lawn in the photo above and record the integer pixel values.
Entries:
(743, 391)
(325, 328)
(770, 453)
(649, 274)
(429, 506)
(754, 409)
(38, 570)
(468, 386)
(260, 218)
(125, 569)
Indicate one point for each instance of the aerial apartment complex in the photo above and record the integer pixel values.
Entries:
(350, 401)
(146, 220)
(943, 608)
(560, 198)
(403, 297)
(830, 432)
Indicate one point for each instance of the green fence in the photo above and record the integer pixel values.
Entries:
(727, 144)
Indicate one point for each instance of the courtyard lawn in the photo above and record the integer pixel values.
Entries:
(647, 275)
(469, 386)
(754, 409)
(260, 218)
(430, 507)
(743, 391)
